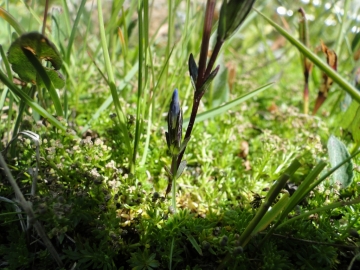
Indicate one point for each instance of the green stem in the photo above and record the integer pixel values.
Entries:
(140, 82)
(209, 14)
(174, 167)
(341, 34)
(171, 253)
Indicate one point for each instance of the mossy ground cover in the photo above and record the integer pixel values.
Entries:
(104, 207)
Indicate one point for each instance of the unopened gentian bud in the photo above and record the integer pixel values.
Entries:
(175, 121)
(232, 15)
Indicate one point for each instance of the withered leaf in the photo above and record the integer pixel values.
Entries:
(331, 59)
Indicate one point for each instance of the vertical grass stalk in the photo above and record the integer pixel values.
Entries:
(119, 113)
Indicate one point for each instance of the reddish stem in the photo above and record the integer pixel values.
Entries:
(213, 57)
(209, 14)
(195, 106)
(45, 16)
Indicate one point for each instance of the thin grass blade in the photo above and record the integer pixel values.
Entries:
(35, 106)
(12, 21)
(223, 108)
(344, 84)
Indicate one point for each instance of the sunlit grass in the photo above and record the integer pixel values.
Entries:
(102, 168)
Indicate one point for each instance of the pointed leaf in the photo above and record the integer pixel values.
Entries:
(232, 15)
(343, 83)
(337, 153)
(223, 108)
(221, 31)
(193, 70)
(167, 169)
(180, 169)
(194, 243)
(207, 82)
(355, 42)
(271, 214)
(184, 144)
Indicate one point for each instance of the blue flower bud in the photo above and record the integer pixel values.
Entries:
(174, 134)
(174, 109)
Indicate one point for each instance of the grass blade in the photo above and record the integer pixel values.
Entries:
(36, 107)
(223, 108)
(271, 196)
(141, 58)
(307, 65)
(296, 198)
(320, 209)
(109, 100)
(12, 21)
(120, 114)
(73, 31)
(344, 84)
(45, 78)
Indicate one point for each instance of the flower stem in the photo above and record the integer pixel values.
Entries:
(209, 14)
(195, 106)
(174, 167)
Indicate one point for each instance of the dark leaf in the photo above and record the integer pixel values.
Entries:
(232, 15)
(193, 70)
(355, 42)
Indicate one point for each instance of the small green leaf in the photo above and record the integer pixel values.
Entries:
(180, 169)
(194, 243)
(271, 214)
(207, 82)
(42, 49)
(184, 143)
(223, 108)
(168, 171)
(337, 153)
(355, 42)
